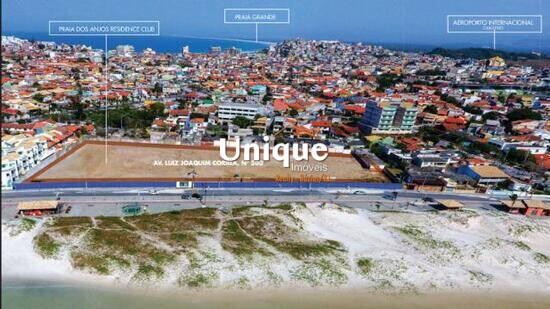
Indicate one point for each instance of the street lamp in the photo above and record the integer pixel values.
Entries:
(192, 173)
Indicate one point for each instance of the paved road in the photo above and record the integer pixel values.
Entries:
(109, 202)
(35, 194)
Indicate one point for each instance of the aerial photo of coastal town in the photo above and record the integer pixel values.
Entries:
(275, 154)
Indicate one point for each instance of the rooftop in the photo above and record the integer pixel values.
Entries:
(489, 171)
(451, 204)
(31, 205)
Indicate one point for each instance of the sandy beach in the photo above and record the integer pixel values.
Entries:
(408, 252)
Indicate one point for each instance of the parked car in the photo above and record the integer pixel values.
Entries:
(185, 196)
(196, 195)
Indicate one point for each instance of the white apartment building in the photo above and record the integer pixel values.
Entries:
(20, 154)
(533, 147)
(10, 170)
(228, 111)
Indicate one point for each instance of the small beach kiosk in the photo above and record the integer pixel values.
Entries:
(38, 208)
(536, 208)
(513, 207)
(527, 207)
(449, 204)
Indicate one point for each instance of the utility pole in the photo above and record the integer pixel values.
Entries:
(204, 195)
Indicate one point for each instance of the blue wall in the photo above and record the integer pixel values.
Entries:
(208, 185)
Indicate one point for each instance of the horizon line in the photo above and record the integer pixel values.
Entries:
(403, 46)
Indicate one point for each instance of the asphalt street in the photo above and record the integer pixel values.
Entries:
(109, 202)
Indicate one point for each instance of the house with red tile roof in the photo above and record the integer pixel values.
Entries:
(411, 144)
(279, 105)
(321, 124)
(178, 112)
(301, 131)
(455, 123)
(543, 160)
(357, 109)
(525, 126)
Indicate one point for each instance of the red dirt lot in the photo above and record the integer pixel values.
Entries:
(166, 162)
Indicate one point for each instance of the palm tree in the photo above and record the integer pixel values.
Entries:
(514, 198)
(395, 193)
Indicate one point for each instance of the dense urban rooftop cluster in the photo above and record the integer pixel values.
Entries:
(429, 121)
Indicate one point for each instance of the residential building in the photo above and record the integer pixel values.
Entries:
(228, 111)
(388, 118)
(536, 146)
(423, 160)
(234, 131)
(10, 170)
(185, 50)
(125, 50)
(485, 175)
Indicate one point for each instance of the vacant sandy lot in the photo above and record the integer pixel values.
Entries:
(135, 161)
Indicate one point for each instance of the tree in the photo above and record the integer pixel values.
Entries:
(387, 80)
(504, 185)
(376, 148)
(502, 97)
(490, 116)
(479, 147)
(144, 133)
(430, 134)
(523, 113)
(156, 109)
(182, 103)
(38, 97)
(450, 99)
(293, 113)
(518, 156)
(473, 110)
(432, 109)
(267, 97)
(242, 122)
(157, 88)
(79, 111)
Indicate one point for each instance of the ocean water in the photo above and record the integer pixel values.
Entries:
(30, 295)
(164, 44)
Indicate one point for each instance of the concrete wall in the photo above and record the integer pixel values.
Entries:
(208, 185)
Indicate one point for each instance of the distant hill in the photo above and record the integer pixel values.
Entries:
(484, 53)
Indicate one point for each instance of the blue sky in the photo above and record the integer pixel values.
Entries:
(387, 21)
